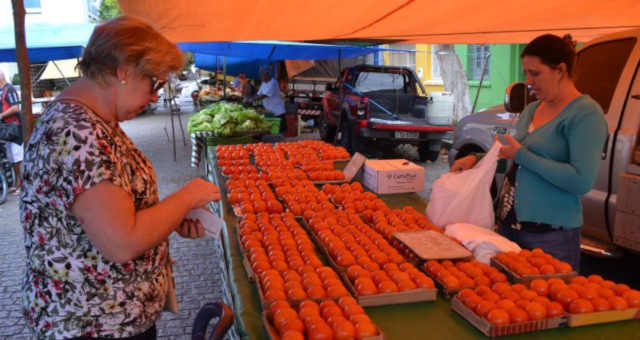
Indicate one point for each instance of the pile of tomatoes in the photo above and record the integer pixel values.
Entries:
(284, 259)
(587, 294)
(326, 175)
(463, 274)
(504, 303)
(251, 196)
(224, 152)
(340, 320)
(390, 278)
(301, 197)
(533, 262)
(317, 166)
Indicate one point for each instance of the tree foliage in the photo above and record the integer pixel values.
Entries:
(109, 9)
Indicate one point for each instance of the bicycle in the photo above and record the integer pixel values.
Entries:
(7, 173)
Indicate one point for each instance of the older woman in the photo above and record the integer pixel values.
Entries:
(95, 231)
(556, 153)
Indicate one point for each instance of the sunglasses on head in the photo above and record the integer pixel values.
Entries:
(157, 84)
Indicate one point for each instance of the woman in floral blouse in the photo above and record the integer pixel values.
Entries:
(95, 231)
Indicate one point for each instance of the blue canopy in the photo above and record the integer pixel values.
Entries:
(277, 50)
(47, 41)
(234, 66)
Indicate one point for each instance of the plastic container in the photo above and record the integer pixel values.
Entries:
(441, 110)
(275, 124)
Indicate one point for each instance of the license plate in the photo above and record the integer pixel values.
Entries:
(407, 135)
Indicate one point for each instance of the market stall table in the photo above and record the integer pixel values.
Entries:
(435, 320)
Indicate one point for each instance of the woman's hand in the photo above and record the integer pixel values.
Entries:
(510, 149)
(464, 163)
(202, 192)
(190, 228)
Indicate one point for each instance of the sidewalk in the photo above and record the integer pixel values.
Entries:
(197, 275)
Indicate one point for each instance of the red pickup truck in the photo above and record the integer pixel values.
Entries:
(372, 109)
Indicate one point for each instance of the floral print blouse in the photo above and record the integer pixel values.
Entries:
(70, 289)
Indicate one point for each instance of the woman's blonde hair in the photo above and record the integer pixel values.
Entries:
(128, 40)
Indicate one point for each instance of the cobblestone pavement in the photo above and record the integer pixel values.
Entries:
(197, 275)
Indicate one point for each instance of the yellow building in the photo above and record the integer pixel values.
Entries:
(421, 61)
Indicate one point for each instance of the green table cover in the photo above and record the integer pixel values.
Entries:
(424, 320)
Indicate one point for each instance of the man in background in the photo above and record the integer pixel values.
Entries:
(11, 115)
(269, 93)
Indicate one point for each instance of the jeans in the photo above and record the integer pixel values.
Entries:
(149, 334)
(563, 244)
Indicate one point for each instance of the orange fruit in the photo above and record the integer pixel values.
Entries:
(517, 314)
(505, 304)
(581, 280)
(321, 331)
(498, 317)
(528, 294)
(451, 282)
(595, 278)
(350, 310)
(554, 309)
(484, 307)
(365, 330)
(588, 293)
(511, 295)
(620, 288)
(316, 292)
(292, 335)
(536, 311)
(472, 302)
(387, 286)
(518, 287)
(600, 304)
(617, 303)
(632, 297)
(566, 296)
(343, 330)
(580, 306)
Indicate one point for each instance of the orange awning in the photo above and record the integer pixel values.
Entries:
(417, 21)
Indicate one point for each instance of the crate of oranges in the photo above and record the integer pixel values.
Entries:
(341, 319)
(506, 309)
(528, 265)
(451, 276)
(389, 284)
(590, 300)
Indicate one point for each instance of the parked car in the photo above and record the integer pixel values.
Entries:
(606, 69)
(373, 109)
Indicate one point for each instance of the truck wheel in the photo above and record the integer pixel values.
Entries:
(428, 155)
(4, 187)
(327, 131)
(429, 151)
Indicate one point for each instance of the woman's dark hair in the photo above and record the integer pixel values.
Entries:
(552, 50)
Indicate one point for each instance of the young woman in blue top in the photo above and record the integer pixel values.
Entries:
(556, 153)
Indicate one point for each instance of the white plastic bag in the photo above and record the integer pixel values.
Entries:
(465, 197)
(482, 242)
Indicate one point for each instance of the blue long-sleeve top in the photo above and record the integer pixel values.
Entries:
(558, 162)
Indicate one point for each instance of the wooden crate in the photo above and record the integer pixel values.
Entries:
(490, 330)
(408, 296)
(576, 320)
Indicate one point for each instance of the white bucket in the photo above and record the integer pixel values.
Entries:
(441, 110)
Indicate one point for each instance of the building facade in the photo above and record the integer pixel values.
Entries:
(503, 67)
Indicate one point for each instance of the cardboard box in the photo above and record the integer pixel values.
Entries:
(628, 194)
(393, 176)
(626, 231)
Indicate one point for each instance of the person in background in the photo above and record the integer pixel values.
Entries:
(96, 232)
(237, 82)
(556, 153)
(269, 93)
(11, 115)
